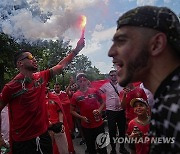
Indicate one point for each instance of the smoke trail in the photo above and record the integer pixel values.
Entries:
(36, 19)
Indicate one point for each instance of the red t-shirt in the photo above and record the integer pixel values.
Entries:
(129, 110)
(56, 99)
(87, 102)
(141, 148)
(53, 111)
(27, 108)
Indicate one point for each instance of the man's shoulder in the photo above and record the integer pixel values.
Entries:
(172, 89)
(77, 93)
(17, 80)
(105, 85)
(92, 89)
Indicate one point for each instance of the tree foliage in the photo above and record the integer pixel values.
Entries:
(48, 54)
(7, 48)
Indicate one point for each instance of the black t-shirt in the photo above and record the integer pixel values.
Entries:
(165, 122)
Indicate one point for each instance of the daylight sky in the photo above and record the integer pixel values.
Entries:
(26, 22)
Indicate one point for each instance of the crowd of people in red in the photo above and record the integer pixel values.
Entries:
(84, 100)
(42, 121)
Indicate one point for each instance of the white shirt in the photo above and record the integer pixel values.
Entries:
(5, 124)
(112, 98)
(149, 95)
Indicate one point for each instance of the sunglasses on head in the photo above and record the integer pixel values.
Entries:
(30, 57)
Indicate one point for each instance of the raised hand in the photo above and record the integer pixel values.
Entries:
(79, 46)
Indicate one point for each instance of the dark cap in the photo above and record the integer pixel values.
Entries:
(158, 18)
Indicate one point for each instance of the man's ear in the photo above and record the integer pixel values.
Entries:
(19, 63)
(158, 43)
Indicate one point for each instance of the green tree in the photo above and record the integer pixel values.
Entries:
(81, 63)
(7, 48)
(48, 54)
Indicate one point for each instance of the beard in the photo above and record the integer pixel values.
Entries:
(31, 68)
(136, 68)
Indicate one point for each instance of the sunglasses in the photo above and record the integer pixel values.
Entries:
(30, 57)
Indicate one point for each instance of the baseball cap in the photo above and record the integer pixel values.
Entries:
(133, 101)
(80, 75)
(137, 93)
(159, 18)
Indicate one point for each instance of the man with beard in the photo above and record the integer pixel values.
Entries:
(25, 96)
(146, 47)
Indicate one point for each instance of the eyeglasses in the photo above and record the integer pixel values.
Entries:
(30, 57)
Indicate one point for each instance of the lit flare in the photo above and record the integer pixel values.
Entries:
(83, 24)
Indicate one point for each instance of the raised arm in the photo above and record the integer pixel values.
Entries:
(123, 101)
(64, 62)
(68, 89)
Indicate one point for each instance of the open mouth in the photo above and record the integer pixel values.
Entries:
(118, 65)
(35, 65)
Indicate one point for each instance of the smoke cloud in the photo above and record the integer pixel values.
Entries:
(40, 19)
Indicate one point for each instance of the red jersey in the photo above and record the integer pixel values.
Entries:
(141, 148)
(129, 110)
(27, 108)
(55, 98)
(53, 111)
(87, 102)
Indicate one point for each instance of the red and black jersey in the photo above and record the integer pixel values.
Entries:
(87, 102)
(27, 109)
(141, 147)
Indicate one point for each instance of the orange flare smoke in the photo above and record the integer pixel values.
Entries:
(82, 25)
(83, 21)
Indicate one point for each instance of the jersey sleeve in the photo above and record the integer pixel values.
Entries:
(47, 74)
(5, 97)
(103, 88)
(99, 95)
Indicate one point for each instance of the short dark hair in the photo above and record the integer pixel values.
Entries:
(17, 55)
(158, 18)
